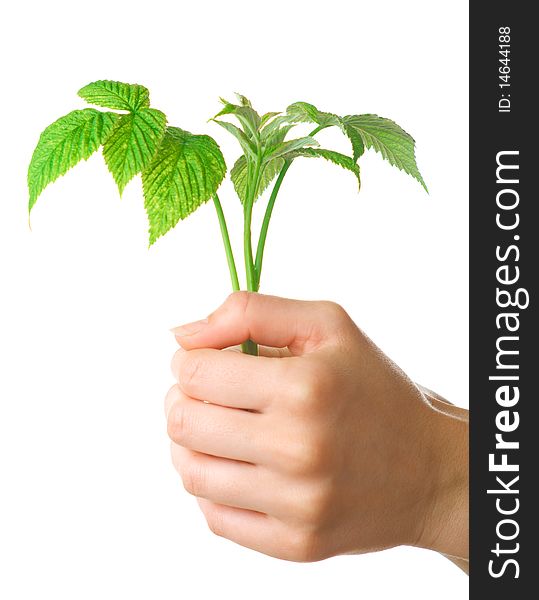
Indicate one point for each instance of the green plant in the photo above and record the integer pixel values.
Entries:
(181, 171)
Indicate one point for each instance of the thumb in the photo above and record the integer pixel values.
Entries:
(278, 322)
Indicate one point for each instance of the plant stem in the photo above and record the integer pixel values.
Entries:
(226, 243)
(253, 269)
(317, 129)
(250, 347)
(269, 210)
(248, 213)
(247, 250)
(265, 222)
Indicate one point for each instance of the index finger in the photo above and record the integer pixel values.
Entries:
(231, 378)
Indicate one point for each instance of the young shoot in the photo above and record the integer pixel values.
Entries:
(181, 171)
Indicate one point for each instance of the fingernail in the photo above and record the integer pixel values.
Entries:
(190, 328)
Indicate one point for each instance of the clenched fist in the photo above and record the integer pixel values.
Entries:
(319, 446)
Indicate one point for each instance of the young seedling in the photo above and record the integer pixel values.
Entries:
(181, 171)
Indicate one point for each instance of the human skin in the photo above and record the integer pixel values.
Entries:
(321, 446)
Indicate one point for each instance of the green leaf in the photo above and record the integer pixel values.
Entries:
(185, 173)
(249, 119)
(303, 112)
(133, 143)
(271, 130)
(276, 137)
(358, 147)
(246, 144)
(346, 162)
(228, 108)
(267, 117)
(247, 116)
(291, 145)
(238, 174)
(387, 138)
(243, 100)
(64, 143)
(115, 94)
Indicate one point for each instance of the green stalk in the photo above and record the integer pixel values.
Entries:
(265, 222)
(226, 243)
(269, 210)
(253, 269)
(247, 214)
(250, 347)
(317, 129)
(247, 249)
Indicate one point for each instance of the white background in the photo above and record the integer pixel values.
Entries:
(90, 506)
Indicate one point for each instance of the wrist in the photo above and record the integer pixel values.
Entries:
(445, 520)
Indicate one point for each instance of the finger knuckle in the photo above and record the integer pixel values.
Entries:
(310, 456)
(335, 313)
(214, 519)
(239, 301)
(176, 358)
(190, 368)
(172, 396)
(315, 505)
(310, 389)
(176, 457)
(179, 423)
(236, 308)
(304, 545)
(194, 479)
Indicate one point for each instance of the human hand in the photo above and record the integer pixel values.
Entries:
(320, 448)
